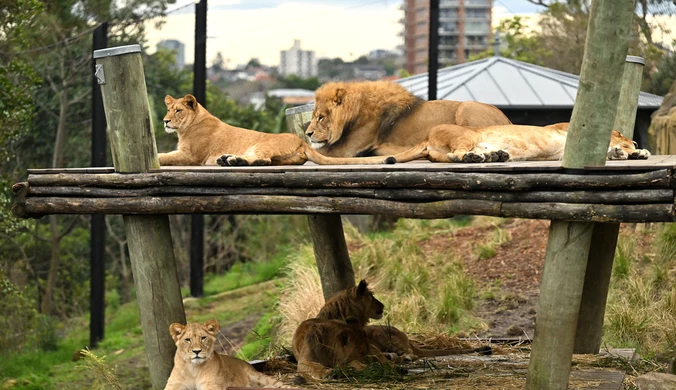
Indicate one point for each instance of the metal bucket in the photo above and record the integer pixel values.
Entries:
(298, 119)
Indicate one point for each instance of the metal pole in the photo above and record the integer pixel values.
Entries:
(97, 266)
(433, 53)
(199, 91)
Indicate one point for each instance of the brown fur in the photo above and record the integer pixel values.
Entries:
(389, 339)
(452, 143)
(355, 305)
(204, 139)
(383, 118)
(198, 366)
(320, 345)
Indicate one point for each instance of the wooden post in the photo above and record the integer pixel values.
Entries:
(587, 144)
(604, 235)
(328, 238)
(120, 73)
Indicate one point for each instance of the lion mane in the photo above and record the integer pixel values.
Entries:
(380, 118)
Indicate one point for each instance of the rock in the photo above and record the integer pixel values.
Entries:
(656, 381)
(10, 383)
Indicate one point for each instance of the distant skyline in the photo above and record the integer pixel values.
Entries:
(245, 29)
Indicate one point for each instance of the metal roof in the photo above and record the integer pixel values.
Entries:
(508, 83)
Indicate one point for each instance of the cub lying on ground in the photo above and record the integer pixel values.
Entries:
(451, 143)
(320, 345)
(198, 366)
(379, 118)
(204, 139)
(357, 305)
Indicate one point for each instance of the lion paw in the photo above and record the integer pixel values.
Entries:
(639, 154)
(473, 157)
(617, 153)
(229, 160)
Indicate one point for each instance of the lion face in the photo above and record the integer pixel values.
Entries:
(327, 124)
(373, 308)
(195, 342)
(355, 306)
(180, 113)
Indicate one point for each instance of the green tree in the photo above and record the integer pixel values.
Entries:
(521, 44)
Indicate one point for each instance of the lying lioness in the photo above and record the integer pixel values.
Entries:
(452, 143)
(198, 366)
(204, 139)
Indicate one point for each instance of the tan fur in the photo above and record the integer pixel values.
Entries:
(198, 366)
(452, 143)
(355, 305)
(383, 118)
(389, 339)
(320, 345)
(204, 139)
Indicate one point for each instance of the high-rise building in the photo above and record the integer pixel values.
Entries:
(178, 47)
(298, 62)
(464, 29)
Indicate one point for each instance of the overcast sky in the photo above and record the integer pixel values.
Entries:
(243, 29)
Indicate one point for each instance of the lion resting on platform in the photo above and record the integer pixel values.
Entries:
(451, 143)
(204, 139)
(198, 366)
(366, 118)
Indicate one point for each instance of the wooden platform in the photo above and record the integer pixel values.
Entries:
(621, 191)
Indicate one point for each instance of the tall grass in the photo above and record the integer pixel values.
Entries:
(641, 310)
(421, 292)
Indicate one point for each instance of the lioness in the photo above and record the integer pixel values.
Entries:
(204, 139)
(197, 366)
(381, 118)
(451, 143)
(320, 345)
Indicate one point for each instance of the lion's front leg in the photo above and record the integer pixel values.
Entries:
(176, 158)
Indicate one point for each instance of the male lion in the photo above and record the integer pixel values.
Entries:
(366, 118)
(320, 345)
(198, 366)
(204, 139)
(452, 143)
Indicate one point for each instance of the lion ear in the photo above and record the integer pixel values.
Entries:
(338, 99)
(168, 100)
(362, 288)
(175, 330)
(212, 326)
(190, 101)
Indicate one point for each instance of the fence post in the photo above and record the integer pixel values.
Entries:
(604, 236)
(586, 144)
(119, 70)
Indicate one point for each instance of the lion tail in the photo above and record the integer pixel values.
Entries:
(259, 379)
(319, 158)
(414, 153)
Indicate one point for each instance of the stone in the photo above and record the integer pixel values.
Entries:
(656, 381)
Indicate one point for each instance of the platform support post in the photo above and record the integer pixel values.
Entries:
(132, 140)
(604, 236)
(328, 237)
(568, 245)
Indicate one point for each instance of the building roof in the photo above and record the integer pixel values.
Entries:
(508, 83)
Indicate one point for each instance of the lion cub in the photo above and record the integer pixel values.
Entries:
(198, 366)
(204, 139)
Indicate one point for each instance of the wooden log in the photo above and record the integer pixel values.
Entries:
(586, 144)
(265, 204)
(660, 178)
(403, 194)
(328, 238)
(132, 140)
(604, 235)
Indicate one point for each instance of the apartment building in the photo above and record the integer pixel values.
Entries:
(298, 62)
(464, 29)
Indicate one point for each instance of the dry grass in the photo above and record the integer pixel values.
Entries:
(104, 376)
(641, 311)
(421, 292)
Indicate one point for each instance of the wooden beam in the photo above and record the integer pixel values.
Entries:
(568, 245)
(132, 140)
(604, 236)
